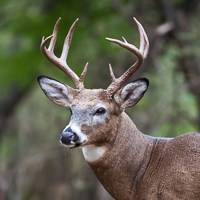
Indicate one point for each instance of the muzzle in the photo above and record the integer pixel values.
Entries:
(68, 137)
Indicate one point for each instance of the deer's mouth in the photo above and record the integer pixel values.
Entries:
(73, 145)
(78, 144)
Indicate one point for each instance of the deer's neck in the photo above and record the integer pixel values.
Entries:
(120, 165)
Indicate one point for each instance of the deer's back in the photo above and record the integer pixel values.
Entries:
(173, 171)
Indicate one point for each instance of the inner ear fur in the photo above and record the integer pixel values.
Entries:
(131, 93)
(56, 91)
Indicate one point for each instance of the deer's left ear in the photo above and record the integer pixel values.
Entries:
(57, 92)
(132, 93)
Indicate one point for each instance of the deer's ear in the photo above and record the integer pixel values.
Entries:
(57, 92)
(132, 93)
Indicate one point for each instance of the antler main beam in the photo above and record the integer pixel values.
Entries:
(140, 53)
(61, 62)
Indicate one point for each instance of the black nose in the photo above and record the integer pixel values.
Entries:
(69, 136)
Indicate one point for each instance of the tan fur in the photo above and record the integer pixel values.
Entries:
(130, 164)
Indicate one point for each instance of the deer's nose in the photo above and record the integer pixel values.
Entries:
(68, 136)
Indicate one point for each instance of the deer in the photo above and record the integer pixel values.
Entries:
(130, 165)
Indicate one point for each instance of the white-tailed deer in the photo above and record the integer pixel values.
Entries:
(129, 164)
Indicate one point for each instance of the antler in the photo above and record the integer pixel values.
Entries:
(141, 54)
(61, 62)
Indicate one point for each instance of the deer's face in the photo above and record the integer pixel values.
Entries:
(94, 117)
(91, 116)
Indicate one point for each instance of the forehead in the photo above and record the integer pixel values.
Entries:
(90, 97)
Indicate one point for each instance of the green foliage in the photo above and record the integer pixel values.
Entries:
(8, 146)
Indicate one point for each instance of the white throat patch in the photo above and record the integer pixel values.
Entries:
(93, 153)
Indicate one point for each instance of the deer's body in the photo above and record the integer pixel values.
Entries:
(149, 168)
(129, 164)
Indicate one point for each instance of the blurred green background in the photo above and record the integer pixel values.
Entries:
(33, 165)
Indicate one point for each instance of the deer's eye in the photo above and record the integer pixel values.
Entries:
(100, 111)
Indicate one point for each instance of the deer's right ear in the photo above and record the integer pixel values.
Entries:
(132, 93)
(57, 92)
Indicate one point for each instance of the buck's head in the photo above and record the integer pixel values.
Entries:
(94, 112)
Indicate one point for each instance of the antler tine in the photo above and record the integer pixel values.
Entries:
(68, 40)
(140, 53)
(54, 36)
(82, 76)
(61, 62)
(144, 42)
(112, 73)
